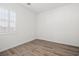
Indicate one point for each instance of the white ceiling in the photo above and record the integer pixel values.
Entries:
(41, 7)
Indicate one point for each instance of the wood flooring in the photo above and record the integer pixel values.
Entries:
(42, 48)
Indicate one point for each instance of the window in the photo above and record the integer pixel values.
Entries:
(7, 20)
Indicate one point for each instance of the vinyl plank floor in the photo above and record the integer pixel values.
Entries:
(39, 47)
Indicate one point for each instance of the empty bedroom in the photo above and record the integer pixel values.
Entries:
(39, 29)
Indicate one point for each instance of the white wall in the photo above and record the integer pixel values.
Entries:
(60, 25)
(25, 27)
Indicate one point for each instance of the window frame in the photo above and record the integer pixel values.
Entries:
(9, 21)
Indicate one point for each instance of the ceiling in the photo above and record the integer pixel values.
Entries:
(41, 7)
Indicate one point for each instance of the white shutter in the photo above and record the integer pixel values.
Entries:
(7, 20)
